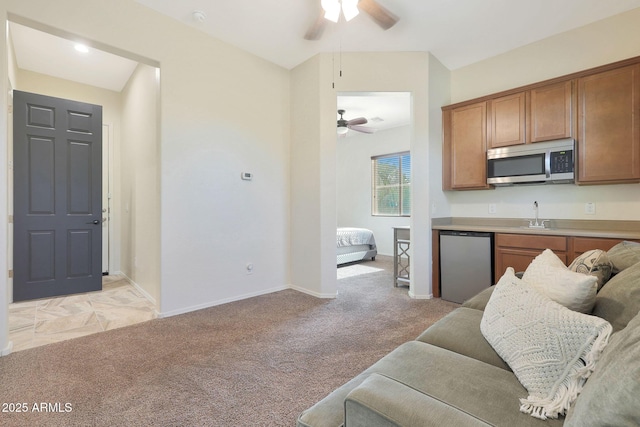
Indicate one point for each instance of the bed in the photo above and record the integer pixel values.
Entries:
(355, 244)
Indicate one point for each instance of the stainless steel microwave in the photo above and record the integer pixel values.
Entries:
(550, 162)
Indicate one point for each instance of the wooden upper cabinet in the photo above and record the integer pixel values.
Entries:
(609, 126)
(465, 147)
(507, 120)
(551, 110)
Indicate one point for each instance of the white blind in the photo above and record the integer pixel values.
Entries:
(391, 185)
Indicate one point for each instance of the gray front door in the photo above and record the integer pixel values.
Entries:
(57, 156)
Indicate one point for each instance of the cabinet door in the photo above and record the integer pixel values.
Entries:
(507, 120)
(550, 112)
(609, 127)
(465, 147)
(518, 250)
(580, 245)
(519, 259)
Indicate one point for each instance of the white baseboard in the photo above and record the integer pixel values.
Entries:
(312, 293)
(414, 296)
(220, 302)
(7, 351)
(144, 293)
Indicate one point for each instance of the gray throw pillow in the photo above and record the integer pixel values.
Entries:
(610, 395)
(624, 255)
(594, 263)
(619, 300)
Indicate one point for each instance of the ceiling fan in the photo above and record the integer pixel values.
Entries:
(350, 8)
(353, 124)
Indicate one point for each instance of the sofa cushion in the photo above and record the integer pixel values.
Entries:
(479, 301)
(549, 276)
(610, 396)
(459, 331)
(619, 300)
(479, 389)
(595, 263)
(624, 255)
(551, 349)
(384, 402)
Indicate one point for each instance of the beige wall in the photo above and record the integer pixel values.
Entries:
(139, 205)
(110, 101)
(602, 42)
(223, 112)
(305, 167)
(596, 44)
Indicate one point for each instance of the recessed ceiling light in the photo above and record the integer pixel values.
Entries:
(81, 48)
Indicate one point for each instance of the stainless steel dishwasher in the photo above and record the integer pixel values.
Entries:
(466, 264)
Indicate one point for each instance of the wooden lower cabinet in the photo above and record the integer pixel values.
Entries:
(518, 250)
(580, 245)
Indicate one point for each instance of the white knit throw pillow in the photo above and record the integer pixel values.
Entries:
(552, 350)
(549, 276)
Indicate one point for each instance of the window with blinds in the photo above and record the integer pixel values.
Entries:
(391, 185)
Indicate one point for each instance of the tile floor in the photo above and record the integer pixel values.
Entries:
(44, 321)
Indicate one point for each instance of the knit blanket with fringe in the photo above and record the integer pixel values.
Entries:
(552, 350)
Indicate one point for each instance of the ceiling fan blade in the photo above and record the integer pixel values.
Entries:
(357, 121)
(382, 16)
(362, 129)
(315, 31)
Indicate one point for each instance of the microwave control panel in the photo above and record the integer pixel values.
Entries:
(562, 161)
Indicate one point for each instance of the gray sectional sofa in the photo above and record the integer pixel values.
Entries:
(451, 376)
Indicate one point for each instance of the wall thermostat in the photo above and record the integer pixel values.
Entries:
(247, 176)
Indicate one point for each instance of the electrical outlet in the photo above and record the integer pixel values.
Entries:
(590, 208)
(492, 208)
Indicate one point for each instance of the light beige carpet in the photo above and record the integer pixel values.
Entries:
(256, 362)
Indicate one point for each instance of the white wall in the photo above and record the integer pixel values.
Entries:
(139, 205)
(353, 182)
(586, 47)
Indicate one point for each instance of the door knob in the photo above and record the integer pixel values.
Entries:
(95, 221)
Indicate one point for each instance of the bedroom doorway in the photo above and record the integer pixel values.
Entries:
(385, 130)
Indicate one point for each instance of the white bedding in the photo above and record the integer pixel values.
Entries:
(349, 236)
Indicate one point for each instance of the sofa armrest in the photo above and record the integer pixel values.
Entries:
(384, 402)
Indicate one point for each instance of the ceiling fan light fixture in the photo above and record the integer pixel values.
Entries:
(331, 9)
(350, 9)
(342, 130)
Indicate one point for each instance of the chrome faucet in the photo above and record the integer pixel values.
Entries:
(535, 223)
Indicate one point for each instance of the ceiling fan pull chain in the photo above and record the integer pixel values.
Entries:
(333, 69)
(340, 56)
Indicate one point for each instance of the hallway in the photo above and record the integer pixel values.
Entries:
(44, 321)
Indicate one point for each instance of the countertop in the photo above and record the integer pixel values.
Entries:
(564, 227)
